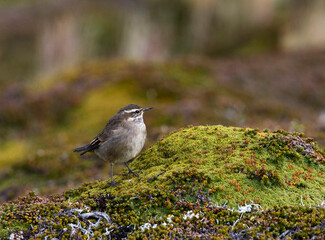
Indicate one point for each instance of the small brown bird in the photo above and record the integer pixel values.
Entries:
(122, 139)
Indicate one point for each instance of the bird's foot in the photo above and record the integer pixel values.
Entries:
(114, 184)
(132, 172)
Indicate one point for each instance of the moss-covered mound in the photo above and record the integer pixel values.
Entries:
(198, 182)
(225, 164)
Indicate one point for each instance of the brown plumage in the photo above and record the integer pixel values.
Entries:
(122, 138)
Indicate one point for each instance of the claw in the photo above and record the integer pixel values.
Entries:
(130, 171)
(114, 184)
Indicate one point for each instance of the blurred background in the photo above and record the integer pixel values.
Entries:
(67, 66)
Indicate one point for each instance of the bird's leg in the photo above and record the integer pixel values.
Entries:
(112, 181)
(130, 171)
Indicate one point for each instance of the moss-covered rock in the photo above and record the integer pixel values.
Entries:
(199, 182)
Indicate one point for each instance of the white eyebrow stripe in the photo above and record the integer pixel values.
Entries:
(132, 110)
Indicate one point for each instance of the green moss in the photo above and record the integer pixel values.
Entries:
(222, 164)
(5, 229)
(191, 184)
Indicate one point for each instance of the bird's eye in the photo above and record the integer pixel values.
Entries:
(137, 111)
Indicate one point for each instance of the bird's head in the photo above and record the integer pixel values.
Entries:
(133, 112)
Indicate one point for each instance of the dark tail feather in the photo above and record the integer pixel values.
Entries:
(83, 149)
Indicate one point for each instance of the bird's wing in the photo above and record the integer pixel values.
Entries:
(101, 137)
(105, 134)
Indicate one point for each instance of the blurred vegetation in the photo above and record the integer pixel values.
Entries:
(39, 38)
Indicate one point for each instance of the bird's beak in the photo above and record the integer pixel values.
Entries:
(147, 108)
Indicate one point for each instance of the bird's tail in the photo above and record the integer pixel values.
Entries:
(83, 149)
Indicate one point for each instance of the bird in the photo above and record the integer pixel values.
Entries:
(121, 140)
